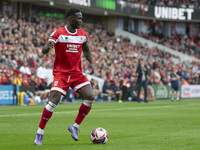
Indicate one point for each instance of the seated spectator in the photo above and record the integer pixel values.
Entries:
(21, 79)
(42, 90)
(41, 71)
(124, 90)
(96, 90)
(118, 91)
(113, 88)
(33, 82)
(18, 79)
(25, 80)
(106, 88)
(25, 68)
(9, 81)
(157, 76)
(132, 88)
(3, 78)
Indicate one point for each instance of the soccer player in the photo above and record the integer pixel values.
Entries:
(68, 42)
(174, 84)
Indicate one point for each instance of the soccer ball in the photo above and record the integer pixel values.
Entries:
(99, 135)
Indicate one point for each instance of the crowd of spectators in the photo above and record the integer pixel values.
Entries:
(180, 42)
(116, 58)
(171, 3)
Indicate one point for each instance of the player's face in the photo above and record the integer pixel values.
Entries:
(77, 20)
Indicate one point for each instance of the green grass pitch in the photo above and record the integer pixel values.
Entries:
(157, 125)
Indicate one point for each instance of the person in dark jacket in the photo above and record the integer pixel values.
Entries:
(174, 84)
(142, 72)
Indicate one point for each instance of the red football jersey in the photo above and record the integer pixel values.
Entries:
(68, 48)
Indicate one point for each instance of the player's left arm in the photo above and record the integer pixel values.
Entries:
(88, 55)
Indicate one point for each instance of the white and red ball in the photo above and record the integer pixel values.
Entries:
(99, 135)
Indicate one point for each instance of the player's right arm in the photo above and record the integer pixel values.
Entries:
(52, 40)
(48, 47)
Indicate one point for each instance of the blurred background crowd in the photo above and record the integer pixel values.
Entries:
(183, 43)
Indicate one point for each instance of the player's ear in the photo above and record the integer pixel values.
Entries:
(69, 18)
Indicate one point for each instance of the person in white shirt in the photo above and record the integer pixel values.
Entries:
(41, 71)
(25, 69)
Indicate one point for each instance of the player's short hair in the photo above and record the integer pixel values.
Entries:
(72, 11)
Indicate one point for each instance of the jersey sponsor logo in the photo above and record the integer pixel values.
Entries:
(72, 51)
(73, 48)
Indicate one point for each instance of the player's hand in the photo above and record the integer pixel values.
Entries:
(50, 45)
(47, 47)
(92, 68)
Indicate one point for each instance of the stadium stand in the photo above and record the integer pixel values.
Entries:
(179, 42)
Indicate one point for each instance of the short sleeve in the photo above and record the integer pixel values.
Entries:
(86, 37)
(54, 36)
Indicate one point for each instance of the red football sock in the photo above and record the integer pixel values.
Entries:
(46, 115)
(83, 111)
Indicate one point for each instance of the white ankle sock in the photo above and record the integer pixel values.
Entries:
(76, 125)
(40, 131)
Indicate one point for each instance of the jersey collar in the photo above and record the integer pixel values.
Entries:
(70, 32)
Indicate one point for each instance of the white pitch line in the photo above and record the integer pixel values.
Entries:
(63, 112)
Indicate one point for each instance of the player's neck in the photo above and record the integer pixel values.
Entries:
(70, 29)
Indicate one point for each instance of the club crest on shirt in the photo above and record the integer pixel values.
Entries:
(55, 83)
(81, 39)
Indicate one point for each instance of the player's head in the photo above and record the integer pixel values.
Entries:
(74, 17)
